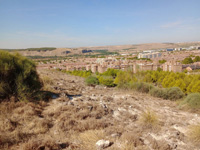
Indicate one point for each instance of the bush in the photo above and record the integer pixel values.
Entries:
(149, 119)
(124, 79)
(91, 80)
(192, 100)
(174, 93)
(18, 77)
(142, 87)
(80, 73)
(107, 81)
(111, 72)
(158, 92)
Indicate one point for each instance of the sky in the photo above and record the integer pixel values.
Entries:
(76, 23)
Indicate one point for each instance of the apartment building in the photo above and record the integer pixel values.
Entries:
(145, 65)
(150, 55)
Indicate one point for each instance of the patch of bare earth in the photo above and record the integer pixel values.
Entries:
(83, 115)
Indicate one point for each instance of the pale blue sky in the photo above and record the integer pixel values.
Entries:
(74, 23)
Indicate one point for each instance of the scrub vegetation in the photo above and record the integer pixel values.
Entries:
(18, 77)
(166, 85)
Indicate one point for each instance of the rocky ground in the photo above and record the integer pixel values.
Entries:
(84, 117)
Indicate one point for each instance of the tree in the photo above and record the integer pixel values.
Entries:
(124, 77)
(187, 60)
(107, 81)
(111, 72)
(196, 59)
(196, 87)
(187, 80)
(162, 61)
(180, 83)
(190, 87)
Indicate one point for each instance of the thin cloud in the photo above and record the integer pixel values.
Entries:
(54, 35)
(171, 24)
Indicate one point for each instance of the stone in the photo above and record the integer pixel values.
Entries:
(62, 95)
(115, 135)
(102, 144)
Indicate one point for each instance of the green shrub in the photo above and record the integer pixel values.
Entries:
(18, 77)
(91, 80)
(187, 60)
(80, 73)
(142, 87)
(107, 81)
(174, 93)
(192, 100)
(162, 61)
(111, 72)
(196, 59)
(126, 86)
(124, 79)
(158, 92)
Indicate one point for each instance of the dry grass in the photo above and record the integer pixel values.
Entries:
(89, 138)
(48, 83)
(194, 133)
(19, 122)
(131, 140)
(22, 122)
(43, 144)
(149, 119)
(128, 146)
(46, 125)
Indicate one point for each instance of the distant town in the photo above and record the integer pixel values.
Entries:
(169, 59)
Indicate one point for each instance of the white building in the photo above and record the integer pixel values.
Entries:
(149, 55)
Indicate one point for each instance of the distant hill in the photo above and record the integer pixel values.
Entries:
(51, 51)
(31, 49)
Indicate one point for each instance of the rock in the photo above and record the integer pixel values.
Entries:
(115, 135)
(102, 144)
(99, 87)
(60, 84)
(62, 95)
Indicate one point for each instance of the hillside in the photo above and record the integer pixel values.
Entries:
(82, 115)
